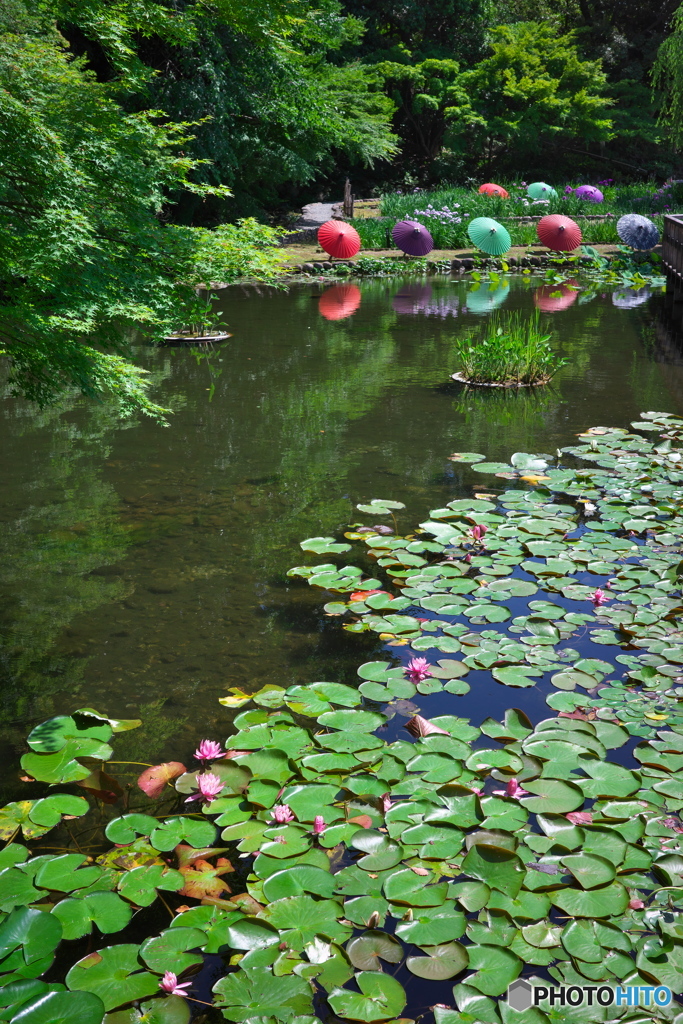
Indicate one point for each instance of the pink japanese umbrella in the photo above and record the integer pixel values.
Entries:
(339, 239)
(552, 299)
(559, 233)
(490, 189)
(340, 301)
(590, 192)
(412, 238)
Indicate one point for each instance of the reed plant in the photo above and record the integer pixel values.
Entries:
(512, 351)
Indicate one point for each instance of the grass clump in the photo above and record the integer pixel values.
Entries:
(513, 352)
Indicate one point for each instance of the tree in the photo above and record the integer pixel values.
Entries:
(84, 255)
(668, 78)
(531, 97)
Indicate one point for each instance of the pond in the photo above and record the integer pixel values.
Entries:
(143, 570)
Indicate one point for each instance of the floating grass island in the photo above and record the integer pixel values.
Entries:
(508, 352)
(328, 866)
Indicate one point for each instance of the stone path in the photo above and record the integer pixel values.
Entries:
(315, 214)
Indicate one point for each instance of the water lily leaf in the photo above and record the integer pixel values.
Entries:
(301, 878)
(381, 852)
(244, 995)
(37, 934)
(569, 679)
(404, 886)
(608, 901)
(173, 831)
(495, 967)
(516, 675)
(366, 950)
(433, 925)
(300, 918)
(114, 974)
(324, 546)
(381, 997)
(380, 506)
(169, 1010)
(15, 816)
(140, 885)
(474, 1005)
(442, 962)
(125, 829)
(360, 721)
(153, 781)
(552, 796)
(62, 766)
(499, 868)
(104, 909)
(466, 457)
(62, 1008)
(608, 780)
(83, 734)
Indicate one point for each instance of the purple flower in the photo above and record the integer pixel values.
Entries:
(477, 532)
(599, 597)
(418, 669)
(208, 750)
(319, 825)
(209, 787)
(169, 983)
(282, 813)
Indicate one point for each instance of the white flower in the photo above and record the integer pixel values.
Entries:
(318, 951)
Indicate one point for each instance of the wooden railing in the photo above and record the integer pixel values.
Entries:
(672, 245)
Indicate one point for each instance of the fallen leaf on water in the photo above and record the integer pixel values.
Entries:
(153, 780)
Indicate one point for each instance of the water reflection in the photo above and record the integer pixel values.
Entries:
(629, 298)
(414, 298)
(486, 297)
(554, 298)
(339, 302)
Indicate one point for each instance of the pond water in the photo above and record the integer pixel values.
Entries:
(143, 570)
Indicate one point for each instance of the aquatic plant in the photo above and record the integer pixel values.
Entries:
(510, 350)
(456, 853)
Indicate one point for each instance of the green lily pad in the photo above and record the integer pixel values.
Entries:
(381, 997)
(442, 962)
(114, 974)
(366, 950)
(245, 994)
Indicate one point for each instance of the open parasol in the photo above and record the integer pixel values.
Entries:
(340, 301)
(637, 231)
(339, 239)
(489, 236)
(553, 298)
(590, 192)
(559, 233)
(484, 298)
(489, 189)
(539, 190)
(629, 298)
(412, 237)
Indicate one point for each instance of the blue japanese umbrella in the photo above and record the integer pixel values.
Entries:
(637, 231)
(412, 237)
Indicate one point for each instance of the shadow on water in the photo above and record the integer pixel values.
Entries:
(144, 570)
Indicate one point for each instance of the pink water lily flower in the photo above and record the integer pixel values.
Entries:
(169, 984)
(477, 532)
(209, 787)
(418, 669)
(599, 597)
(319, 825)
(209, 750)
(512, 790)
(282, 813)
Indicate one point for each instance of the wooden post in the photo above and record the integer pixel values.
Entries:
(348, 200)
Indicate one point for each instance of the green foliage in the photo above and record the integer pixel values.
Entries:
(534, 91)
(509, 351)
(668, 78)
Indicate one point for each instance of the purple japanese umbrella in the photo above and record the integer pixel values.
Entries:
(412, 238)
(590, 192)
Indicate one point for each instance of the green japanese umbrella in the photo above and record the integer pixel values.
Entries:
(539, 190)
(489, 236)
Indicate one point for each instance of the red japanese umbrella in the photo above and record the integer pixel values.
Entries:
(558, 232)
(489, 189)
(339, 239)
(551, 298)
(339, 301)
(412, 237)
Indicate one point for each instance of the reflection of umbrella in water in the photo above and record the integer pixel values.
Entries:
(627, 298)
(553, 298)
(411, 299)
(483, 299)
(339, 239)
(489, 236)
(340, 301)
(559, 233)
(412, 237)
(637, 231)
(539, 190)
(590, 192)
(491, 189)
